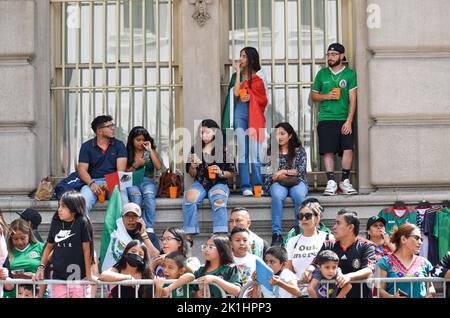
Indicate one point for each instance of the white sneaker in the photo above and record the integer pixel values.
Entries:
(247, 193)
(347, 188)
(331, 188)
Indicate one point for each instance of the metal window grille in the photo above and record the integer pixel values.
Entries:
(291, 37)
(106, 62)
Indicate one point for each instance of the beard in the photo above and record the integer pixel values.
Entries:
(333, 64)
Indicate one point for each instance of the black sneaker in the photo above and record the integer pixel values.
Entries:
(277, 239)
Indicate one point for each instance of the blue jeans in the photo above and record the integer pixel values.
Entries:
(90, 197)
(219, 210)
(279, 193)
(248, 150)
(145, 192)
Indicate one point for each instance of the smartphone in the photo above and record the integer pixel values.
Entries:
(19, 272)
(402, 293)
(146, 155)
(139, 226)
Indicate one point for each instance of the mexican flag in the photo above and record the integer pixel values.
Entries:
(124, 179)
(114, 237)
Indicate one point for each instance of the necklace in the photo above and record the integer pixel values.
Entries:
(335, 80)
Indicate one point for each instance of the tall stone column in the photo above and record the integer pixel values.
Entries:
(409, 94)
(24, 95)
(200, 64)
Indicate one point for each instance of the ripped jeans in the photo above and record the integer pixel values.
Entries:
(145, 192)
(219, 209)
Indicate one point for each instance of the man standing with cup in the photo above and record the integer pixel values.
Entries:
(335, 88)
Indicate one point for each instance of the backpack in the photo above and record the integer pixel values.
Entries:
(72, 182)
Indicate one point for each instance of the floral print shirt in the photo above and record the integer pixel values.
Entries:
(299, 164)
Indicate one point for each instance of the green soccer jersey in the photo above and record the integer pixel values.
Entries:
(229, 273)
(442, 231)
(26, 260)
(324, 82)
(180, 292)
(395, 217)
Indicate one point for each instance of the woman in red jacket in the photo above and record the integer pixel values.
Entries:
(244, 111)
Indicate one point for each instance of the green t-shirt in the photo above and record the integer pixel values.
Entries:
(149, 168)
(324, 82)
(180, 292)
(442, 231)
(229, 273)
(397, 216)
(27, 260)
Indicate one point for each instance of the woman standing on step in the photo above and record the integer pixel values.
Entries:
(248, 89)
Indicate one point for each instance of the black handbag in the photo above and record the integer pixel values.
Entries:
(290, 181)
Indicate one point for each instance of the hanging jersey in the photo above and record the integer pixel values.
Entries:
(397, 216)
(442, 231)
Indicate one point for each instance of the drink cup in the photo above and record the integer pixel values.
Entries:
(173, 192)
(258, 191)
(337, 90)
(242, 93)
(211, 174)
(101, 196)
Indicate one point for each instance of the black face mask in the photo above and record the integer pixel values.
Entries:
(134, 260)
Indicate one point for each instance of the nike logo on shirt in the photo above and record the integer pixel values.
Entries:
(63, 235)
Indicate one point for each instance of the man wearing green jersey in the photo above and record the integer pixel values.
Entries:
(335, 89)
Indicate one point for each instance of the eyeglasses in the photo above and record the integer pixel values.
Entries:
(417, 237)
(168, 239)
(306, 216)
(209, 247)
(333, 54)
(112, 125)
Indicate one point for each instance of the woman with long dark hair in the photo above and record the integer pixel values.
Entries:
(210, 167)
(133, 264)
(142, 154)
(290, 178)
(244, 110)
(174, 240)
(219, 269)
(71, 240)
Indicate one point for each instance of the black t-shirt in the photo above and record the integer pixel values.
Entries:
(67, 239)
(441, 269)
(359, 255)
(428, 228)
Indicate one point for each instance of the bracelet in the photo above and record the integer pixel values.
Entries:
(144, 236)
(91, 183)
(41, 266)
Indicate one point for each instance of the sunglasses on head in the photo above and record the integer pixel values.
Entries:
(306, 216)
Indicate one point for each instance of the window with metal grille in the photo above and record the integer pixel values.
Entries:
(105, 62)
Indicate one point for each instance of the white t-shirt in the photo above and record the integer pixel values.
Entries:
(302, 250)
(278, 292)
(257, 244)
(246, 265)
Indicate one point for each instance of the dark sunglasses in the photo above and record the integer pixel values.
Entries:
(307, 216)
(417, 237)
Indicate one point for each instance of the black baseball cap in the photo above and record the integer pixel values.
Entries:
(31, 215)
(338, 47)
(375, 219)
